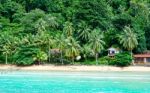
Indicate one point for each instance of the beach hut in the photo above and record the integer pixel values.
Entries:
(112, 51)
(142, 58)
(54, 51)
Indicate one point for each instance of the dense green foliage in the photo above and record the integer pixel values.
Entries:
(122, 59)
(31, 28)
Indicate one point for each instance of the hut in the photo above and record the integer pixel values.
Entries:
(142, 58)
(112, 51)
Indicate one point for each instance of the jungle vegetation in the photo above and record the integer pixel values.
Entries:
(58, 31)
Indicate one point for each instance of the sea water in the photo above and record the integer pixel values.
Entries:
(74, 82)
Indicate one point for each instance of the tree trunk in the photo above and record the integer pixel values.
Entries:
(49, 58)
(96, 58)
(39, 62)
(73, 60)
(85, 59)
(62, 62)
(6, 59)
(49, 54)
(132, 57)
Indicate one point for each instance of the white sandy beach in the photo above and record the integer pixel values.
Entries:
(74, 68)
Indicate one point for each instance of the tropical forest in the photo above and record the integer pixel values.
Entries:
(73, 32)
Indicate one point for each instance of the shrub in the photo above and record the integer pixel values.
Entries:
(121, 59)
(25, 61)
(24, 55)
(40, 57)
(88, 62)
(104, 60)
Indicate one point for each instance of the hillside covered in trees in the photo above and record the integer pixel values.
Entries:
(31, 29)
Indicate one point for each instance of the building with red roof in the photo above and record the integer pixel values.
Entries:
(142, 58)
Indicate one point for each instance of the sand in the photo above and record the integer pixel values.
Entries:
(73, 68)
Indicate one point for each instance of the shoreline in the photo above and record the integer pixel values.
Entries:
(74, 68)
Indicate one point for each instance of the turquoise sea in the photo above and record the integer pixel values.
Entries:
(74, 82)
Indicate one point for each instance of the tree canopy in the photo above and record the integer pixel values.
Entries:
(28, 27)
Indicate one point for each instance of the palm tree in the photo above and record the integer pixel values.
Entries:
(68, 29)
(84, 34)
(61, 45)
(41, 25)
(72, 48)
(43, 37)
(128, 39)
(51, 21)
(47, 21)
(96, 43)
(9, 45)
(83, 31)
(45, 41)
(86, 51)
(40, 57)
(6, 51)
(50, 45)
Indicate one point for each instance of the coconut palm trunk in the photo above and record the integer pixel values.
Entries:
(96, 58)
(72, 60)
(62, 62)
(6, 59)
(85, 59)
(49, 56)
(132, 57)
(49, 53)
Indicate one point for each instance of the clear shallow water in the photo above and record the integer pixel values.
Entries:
(74, 82)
